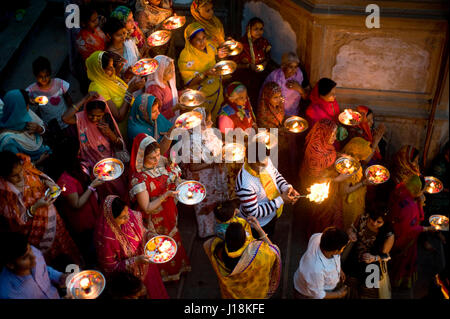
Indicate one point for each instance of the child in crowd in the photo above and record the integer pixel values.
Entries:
(226, 213)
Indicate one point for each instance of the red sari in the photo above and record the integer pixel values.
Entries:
(164, 220)
(118, 246)
(320, 109)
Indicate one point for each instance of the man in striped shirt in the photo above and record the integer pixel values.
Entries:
(262, 190)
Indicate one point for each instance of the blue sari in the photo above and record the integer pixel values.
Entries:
(13, 121)
(137, 124)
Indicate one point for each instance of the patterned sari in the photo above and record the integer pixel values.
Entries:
(193, 61)
(403, 164)
(45, 229)
(163, 220)
(213, 27)
(257, 274)
(118, 246)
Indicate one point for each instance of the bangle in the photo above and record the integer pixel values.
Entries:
(92, 188)
(265, 235)
(76, 108)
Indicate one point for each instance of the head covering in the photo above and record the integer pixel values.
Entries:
(121, 13)
(157, 77)
(270, 115)
(325, 85)
(414, 185)
(255, 47)
(234, 87)
(360, 149)
(244, 112)
(214, 28)
(95, 72)
(140, 143)
(289, 57)
(15, 114)
(403, 165)
(319, 153)
(366, 129)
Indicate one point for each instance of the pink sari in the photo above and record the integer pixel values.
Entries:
(118, 246)
(93, 148)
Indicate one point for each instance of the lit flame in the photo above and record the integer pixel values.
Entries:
(189, 194)
(348, 164)
(107, 169)
(267, 139)
(378, 173)
(318, 192)
(295, 125)
(85, 283)
(63, 189)
(260, 67)
(165, 247)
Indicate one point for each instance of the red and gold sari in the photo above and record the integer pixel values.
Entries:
(45, 229)
(164, 220)
(118, 246)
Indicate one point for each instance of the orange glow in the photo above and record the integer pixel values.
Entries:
(318, 192)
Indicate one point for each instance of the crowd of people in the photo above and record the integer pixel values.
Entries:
(105, 225)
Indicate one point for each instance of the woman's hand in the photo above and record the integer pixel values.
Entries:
(142, 259)
(42, 202)
(254, 223)
(352, 235)
(106, 131)
(170, 194)
(294, 85)
(368, 258)
(89, 97)
(136, 84)
(341, 178)
(293, 195)
(223, 52)
(96, 182)
(210, 72)
(33, 127)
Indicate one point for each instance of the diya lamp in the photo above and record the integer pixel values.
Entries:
(85, 284)
(189, 195)
(260, 68)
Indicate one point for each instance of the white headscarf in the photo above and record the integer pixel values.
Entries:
(156, 78)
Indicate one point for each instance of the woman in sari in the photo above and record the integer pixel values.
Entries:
(117, 94)
(152, 191)
(99, 138)
(124, 15)
(162, 85)
(405, 164)
(236, 111)
(207, 146)
(246, 268)
(203, 13)
(256, 52)
(120, 238)
(406, 204)
(373, 237)
(196, 64)
(323, 102)
(290, 78)
(21, 129)
(318, 167)
(353, 190)
(24, 208)
(146, 118)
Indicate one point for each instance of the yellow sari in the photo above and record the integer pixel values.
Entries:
(256, 276)
(110, 88)
(193, 61)
(213, 28)
(354, 204)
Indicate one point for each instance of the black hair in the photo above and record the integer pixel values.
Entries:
(235, 237)
(106, 57)
(151, 148)
(325, 86)
(256, 146)
(86, 12)
(97, 104)
(422, 180)
(8, 160)
(113, 25)
(333, 239)
(378, 209)
(224, 211)
(41, 64)
(124, 284)
(117, 207)
(254, 21)
(15, 245)
(26, 97)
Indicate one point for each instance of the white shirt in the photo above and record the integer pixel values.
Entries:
(317, 274)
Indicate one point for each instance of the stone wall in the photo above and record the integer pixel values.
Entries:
(393, 69)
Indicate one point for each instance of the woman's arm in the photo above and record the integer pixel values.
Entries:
(388, 244)
(75, 201)
(147, 206)
(69, 117)
(121, 113)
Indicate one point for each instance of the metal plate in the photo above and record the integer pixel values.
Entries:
(161, 249)
(192, 98)
(189, 120)
(234, 152)
(225, 67)
(53, 192)
(440, 221)
(233, 47)
(350, 117)
(377, 174)
(95, 280)
(433, 185)
(191, 192)
(347, 165)
(296, 124)
(145, 67)
(159, 38)
(174, 22)
(41, 100)
(267, 138)
(108, 173)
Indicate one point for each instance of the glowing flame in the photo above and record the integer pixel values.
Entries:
(318, 192)
(63, 189)
(189, 194)
(267, 139)
(85, 283)
(165, 247)
(107, 169)
(260, 67)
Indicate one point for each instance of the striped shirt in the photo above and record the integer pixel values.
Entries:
(254, 201)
